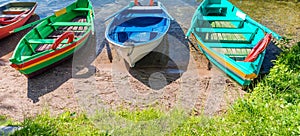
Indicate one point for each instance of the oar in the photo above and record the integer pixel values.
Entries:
(125, 8)
(28, 25)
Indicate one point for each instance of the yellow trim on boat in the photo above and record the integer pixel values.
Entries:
(60, 12)
(228, 65)
(37, 63)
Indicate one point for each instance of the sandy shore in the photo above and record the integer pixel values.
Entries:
(174, 75)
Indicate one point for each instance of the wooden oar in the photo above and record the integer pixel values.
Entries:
(125, 8)
(28, 25)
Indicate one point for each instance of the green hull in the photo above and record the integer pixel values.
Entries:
(36, 50)
(226, 36)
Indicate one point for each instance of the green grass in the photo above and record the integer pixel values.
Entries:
(272, 108)
(65, 124)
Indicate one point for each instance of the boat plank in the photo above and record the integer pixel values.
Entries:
(220, 18)
(70, 24)
(224, 30)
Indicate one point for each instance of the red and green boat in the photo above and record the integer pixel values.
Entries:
(14, 15)
(54, 39)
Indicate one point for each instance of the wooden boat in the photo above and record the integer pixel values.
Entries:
(230, 39)
(54, 39)
(136, 30)
(13, 15)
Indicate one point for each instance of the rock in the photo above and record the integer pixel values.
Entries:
(8, 130)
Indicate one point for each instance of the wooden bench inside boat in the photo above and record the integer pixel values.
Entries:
(227, 34)
(225, 30)
(220, 18)
(222, 24)
(237, 54)
(70, 24)
(229, 45)
(139, 29)
(82, 9)
(15, 10)
(44, 41)
(75, 26)
(10, 16)
(45, 44)
(215, 6)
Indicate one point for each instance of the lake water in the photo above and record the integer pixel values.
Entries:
(181, 10)
(104, 8)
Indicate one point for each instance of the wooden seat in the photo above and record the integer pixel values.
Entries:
(10, 16)
(224, 38)
(215, 6)
(237, 54)
(222, 24)
(229, 45)
(225, 30)
(220, 18)
(70, 24)
(15, 10)
(43, 47)
(45, 44)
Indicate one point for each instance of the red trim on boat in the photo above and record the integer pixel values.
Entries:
(65, 35)
(6, 21)
(50, 54)
(259, 48)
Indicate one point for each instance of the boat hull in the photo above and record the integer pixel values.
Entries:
(238, 75)
(227, 36)
(143, 27)
(135, 53)
(5, 30)
(37, 65)
(54, 39)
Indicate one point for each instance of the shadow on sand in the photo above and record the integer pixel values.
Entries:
(166, 63)
(53, 78)
(8, 44)
(272, 52)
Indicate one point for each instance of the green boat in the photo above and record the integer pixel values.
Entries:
(230, 39)
(54, 39)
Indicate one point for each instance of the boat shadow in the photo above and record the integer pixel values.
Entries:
(54, 77)
(8, 44)
(272, 51)
(166, 63)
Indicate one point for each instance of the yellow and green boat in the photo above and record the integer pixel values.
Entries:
(230, 39)
(54, 39)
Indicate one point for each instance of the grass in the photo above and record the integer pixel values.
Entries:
(65, 124)
(272, 108)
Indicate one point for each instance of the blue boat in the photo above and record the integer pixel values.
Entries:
(230, 39)
(137, 29)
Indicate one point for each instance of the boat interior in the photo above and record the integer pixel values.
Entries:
(48, 31)
(79, 31)
(139, 29)
(138, 26)
(223, 29)
(12, 10)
